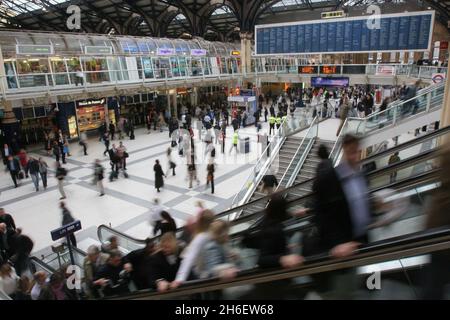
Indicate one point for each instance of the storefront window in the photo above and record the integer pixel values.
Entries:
(72, 122)
(11, 77)
(73, 66)
(34, 73)
(90, 117)
(59, 71)
(96, 70)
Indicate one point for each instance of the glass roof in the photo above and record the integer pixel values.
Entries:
(16, 7)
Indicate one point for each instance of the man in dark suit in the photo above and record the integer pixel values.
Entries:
(14, 168)
(342, 211)
(140, 260)
(165, 263)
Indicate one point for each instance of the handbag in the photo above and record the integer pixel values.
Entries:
(21, 175)
(172, 165)
(125, 154)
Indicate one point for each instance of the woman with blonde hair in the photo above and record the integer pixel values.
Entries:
(193, 253)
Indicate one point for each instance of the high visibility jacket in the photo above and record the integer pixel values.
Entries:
(278, 120)
(235, 138)
(272, 120)
(283, 118)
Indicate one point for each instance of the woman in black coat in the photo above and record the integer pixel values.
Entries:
(159, 174)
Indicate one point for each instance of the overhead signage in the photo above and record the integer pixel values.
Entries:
(330, 69)
(438, 77)
(166, 51)
(385, 70)
(235, 53)
(198, 52)
(330, 82)
(93, 102)
(333, 14)
(308, 69)
(410, 31)
(97, 50)
(34, 49)
(65, 230)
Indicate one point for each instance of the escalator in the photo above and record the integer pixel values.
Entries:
(378, 179)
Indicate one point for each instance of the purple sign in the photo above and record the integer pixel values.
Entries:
(166, 51)
(198, 52)
(330, 82)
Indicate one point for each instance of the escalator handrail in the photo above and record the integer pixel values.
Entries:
(421, 242)
(382, 171)
(42, 264)
(408, 144)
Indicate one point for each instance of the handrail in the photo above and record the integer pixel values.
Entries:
(418, 243)
(42, 265)
(410, 143)
(383, 171)
(313, 123)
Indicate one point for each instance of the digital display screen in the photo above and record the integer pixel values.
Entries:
(307, 69)
(410, 31)
(330, 82)
(330, 69)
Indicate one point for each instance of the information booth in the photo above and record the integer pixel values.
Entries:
(244, 103)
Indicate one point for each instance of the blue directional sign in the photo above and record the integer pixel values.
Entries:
(65, 230)
(411, 31)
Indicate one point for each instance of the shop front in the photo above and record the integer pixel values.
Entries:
(90, 115)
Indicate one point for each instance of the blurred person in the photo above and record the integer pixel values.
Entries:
(344, 112)
(122, 154)
(66, 149)
(159, 174)
(140, 261)
(13, 167)
(67, 218)
(111, 245)
(99, 171)
(210, 176)
(436, 275)
(155, 214)
(112, 278)
(170, 164)
(273, 252)
(60, 175)
(43, 169)
(106, 142)
(56, 289)
(166, 224)
(234, 140)
(112, 130)
(7, 219)
(92, 263)
(33, 169)
(8, 280)
(23, 159)
(342, 219)
(191, 265)
(20, 249)
(23, 289)
(394, 159)
(269, 182)
(165, 263)
(39, 281)
(192, 172)
(83, 142)
(56, 151)
(6, 152)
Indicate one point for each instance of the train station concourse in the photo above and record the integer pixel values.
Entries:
(224, 150)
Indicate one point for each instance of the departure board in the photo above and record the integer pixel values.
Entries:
(411, 31)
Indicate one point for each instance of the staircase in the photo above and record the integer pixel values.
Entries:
(287, 152)
(308, 170)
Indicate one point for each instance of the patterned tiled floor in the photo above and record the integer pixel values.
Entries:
(128, 201)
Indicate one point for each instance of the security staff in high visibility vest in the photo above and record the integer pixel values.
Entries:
(278, 121)
(234, 141)
(272, 121)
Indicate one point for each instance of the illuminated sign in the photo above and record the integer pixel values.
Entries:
(94, 102)
(166, 51)
(330, 69)
(235, 53)
(198, 52)
(97, 50)
(318, 82)
(333, 14)
(307, 69)
(34, 49)
(385, 70)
